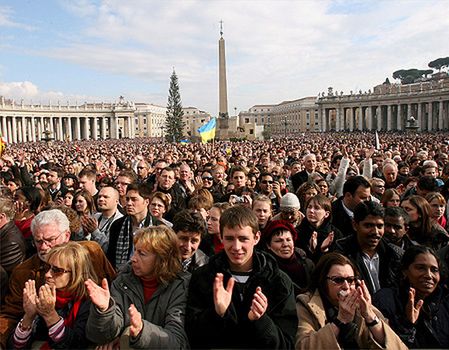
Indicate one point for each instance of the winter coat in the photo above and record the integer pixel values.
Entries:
(163, 315)
(432, 328)
(315, 331)
(274, 330)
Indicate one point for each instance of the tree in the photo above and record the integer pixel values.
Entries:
(174, 124)
(439, 63)
(409, 76)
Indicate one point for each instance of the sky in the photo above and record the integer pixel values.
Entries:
(83, 50)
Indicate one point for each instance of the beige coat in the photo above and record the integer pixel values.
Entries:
(314, 333)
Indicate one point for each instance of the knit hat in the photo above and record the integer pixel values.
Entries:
(290, 200)
(278, 225)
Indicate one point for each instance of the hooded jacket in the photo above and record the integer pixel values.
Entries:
(275, 329)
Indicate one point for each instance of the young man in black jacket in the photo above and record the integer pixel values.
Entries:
(241, 299)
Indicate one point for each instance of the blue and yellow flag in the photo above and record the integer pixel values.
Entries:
(2, 145)
(207, 131)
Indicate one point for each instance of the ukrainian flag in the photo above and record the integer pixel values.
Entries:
(207, 131)
(2, 145)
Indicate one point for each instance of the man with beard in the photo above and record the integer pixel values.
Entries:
(377, 261)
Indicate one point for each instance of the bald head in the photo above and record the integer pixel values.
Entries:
(108, 199)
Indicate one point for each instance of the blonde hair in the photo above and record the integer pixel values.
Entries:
(163, 242)
(74, 258)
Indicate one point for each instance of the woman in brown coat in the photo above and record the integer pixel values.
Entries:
(337, 312)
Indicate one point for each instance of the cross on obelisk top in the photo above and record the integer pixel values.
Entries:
(221, 28)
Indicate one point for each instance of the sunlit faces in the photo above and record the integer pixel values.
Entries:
(52, 177)
(87, 184)
(310, 163)
(282, 244)
(135, 203)
(310, 193)
(316, 214)
(157, 208)
(369, 231)
(394, 228)
(262, 210)
(394, 201)
(80, 204)
(188, 243)
(432, 172)
(266, 184)
(121, 184)
(142, 170)
(390, 173)
(143, 262)
(334, 288)
(437, 208)
(58, 274)
(239, 179)
(213, 221)
(208, 179)
(362, 194)
(107, 198)
(184, 172)
(411, 210)
(166, 179)
(239, 245)
(48, 236)
(423, 274)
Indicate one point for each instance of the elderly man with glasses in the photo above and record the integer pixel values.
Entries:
(50, 228)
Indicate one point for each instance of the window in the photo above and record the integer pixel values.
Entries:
(251, 131)
(246, 120)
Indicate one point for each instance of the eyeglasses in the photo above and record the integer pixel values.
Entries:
(338, 280)
(267, 182)
(48, 241)
(56, 271)
(208, 178)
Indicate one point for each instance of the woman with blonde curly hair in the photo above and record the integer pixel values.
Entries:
(148, 296)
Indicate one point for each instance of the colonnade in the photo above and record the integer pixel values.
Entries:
(420, 116)
(30, 128)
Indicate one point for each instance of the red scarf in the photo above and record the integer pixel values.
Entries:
(62, 300)
(149, 287)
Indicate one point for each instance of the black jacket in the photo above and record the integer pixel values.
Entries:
(432, 328)
(389, 261)
(275, 329)
(305, 231)
(341, 219)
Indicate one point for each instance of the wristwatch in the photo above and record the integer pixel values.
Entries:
(373, 322)
(339, 324)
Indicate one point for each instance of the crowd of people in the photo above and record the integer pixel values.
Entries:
(316, 241)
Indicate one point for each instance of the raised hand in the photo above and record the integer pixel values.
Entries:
(365, 306)
(327, 242)
(222, 296)
(259, 305)
(89, 224)
(347, 306)
(45, 304)
(136, 321)
(30, 300)
(412, 310)
(99, 295)
(313, 242)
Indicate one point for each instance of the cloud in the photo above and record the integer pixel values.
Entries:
(276, 50)
(7, 21)
(29, 92)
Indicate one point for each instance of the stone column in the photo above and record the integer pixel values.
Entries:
(77, 128)
(14, 129)
(388, 117)
(60, 129)
(86, 128)
(69, 127)
(113, 130)
(418, 117)
(379, 117)
(323, 126)
(430, 117)
(360, 127)
(94, 131)
(351, 119)
(440, 116)
(369, 118)
(103, 127)
(33, 129)
(399, 118)
(337, 119)
(52, 127)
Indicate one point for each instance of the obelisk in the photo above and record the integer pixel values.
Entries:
(223, 123)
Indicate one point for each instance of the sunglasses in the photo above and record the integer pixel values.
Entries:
(208, 178)
(267, 182)
(55, 271)
(338, 280)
